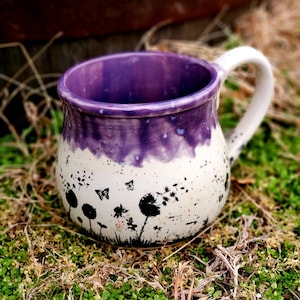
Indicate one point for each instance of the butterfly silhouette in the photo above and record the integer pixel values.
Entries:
(103, 193)
(130, 185)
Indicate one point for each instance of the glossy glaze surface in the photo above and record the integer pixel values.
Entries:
(143, 160)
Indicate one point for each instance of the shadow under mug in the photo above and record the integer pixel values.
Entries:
(143, 160)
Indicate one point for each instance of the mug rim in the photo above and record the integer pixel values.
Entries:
(159, 108)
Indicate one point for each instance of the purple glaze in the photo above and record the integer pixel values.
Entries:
(133, 106)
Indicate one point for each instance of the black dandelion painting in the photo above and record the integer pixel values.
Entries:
(90, 212)
(102, 226)
(148, 209)
(71, 199)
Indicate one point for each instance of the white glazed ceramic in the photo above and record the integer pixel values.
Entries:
(143, 160)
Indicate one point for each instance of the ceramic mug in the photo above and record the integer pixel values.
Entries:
(143, 160)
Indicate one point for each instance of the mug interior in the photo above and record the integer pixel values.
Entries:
(135, 78)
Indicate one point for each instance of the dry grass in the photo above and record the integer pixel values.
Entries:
(221, 262)
(274, 31)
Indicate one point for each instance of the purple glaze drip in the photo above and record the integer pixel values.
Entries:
(133, 106)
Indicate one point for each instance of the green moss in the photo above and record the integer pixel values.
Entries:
(127, 291)
(12, 259)
(44, 256)
(275, 173)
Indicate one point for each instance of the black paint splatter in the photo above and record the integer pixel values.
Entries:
(205, 222)
(165, 200)
(192, 222)
(173, 195)
(103, 193)
(226, 181)
(82, 178)
(67, 160)
(157, 228)
(119, 210)
(221, 197)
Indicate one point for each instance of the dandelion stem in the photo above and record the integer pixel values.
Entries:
(142, 230)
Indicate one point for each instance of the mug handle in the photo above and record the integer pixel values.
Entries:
(261, 100)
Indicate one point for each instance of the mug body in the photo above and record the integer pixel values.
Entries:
(142, 159)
